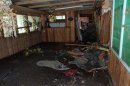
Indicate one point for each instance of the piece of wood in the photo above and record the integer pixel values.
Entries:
(70, 5)
(103, 49)
(32, 2)
(61, 3)
(100, 68)
(80, 45)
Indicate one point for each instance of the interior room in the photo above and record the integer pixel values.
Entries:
(64, 43)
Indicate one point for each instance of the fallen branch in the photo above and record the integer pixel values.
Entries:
(89, 46)
(75, 53)
(100, 68)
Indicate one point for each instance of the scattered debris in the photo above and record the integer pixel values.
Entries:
(34, 50)
(82, 81)
(70, 72)
(58, 67)
(104, 49)
(94, 69)
(52, 64)
(75, 53)
(73, 81)
(80, 62)
(55, 80)
(87, 57)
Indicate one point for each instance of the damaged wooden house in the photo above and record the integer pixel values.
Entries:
(64, 43)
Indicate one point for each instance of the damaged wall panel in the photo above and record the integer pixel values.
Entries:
(10, 46)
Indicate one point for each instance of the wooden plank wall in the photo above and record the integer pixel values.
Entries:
(105, 28)
(66, 34)
(118, 72)
(10, 46)
(58, 35)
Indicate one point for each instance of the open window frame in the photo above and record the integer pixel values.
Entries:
(59, 22)
(27, 25)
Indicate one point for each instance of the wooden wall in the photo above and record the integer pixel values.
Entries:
(10, 46)
(105, 28)
(58, 35)
(66, 34)
(118, 72)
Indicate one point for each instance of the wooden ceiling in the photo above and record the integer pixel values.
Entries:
(56, 4)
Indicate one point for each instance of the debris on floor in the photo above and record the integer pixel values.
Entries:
(90, 58)
(87, 58)
(52, 64)
(71, 72)
(28, 51)
(79, 62)
(75, 53)
(59, 66)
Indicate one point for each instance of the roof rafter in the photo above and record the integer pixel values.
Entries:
(31, 2)
(61, 3)
(20, 9)
(69, 5)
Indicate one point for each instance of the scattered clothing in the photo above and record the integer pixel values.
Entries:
(86, 59)
(79, 61)
(52, 64)
(70, 72)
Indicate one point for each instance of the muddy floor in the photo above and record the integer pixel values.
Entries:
(21, 70)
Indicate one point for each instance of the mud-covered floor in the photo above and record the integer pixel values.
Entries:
(21, 70)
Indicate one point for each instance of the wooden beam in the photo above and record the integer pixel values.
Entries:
(61, 3)
(24, 10)
(54, 7)
(77, 9)
(31, 2)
